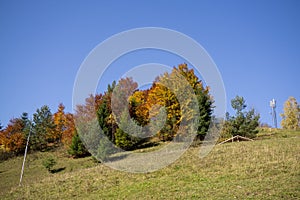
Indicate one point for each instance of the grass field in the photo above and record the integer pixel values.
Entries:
(267, 168)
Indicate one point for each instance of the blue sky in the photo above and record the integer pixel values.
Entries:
(255, 44)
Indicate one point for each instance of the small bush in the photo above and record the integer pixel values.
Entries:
(48, 163)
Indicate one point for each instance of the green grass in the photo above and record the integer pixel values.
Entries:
(267, 168)
(35, 171)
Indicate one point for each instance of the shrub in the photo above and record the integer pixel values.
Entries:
(48, 163)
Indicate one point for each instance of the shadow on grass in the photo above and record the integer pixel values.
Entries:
(53, 171)
(147, 145)
(115, 158)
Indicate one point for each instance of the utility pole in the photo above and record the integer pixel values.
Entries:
(273, 112)
(22, 170)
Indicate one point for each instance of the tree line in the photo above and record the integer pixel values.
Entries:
(46, 131)
(129, 117)
(142, 106)
(162, 112)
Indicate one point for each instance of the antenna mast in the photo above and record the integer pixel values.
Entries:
(273, 113)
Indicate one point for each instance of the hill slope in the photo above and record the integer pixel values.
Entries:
(262, 169)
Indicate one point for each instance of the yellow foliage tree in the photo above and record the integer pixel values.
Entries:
(291, 114)
(138, 106)
(168, 89)
(161, 96)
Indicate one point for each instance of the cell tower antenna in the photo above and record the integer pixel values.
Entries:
(273, 113)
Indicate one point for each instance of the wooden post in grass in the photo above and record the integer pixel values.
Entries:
(237, 137)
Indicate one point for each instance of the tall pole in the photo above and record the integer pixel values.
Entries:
(274, 118)
(22, 170)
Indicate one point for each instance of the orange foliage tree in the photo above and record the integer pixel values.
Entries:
(65, 126)
(12, 137)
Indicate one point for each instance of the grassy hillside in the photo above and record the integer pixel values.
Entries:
(267, 168)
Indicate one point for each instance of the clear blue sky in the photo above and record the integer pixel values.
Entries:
(255, 44)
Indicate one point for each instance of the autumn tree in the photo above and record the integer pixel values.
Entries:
(94, 119)
(59, 119)
(138, 107)
(86, 111)
(244, 123)
(65, 126)
(121, 95)
(185, 85)
(205, 100)
(14, 135)
(69, 130)
(114, 116)
(13, 138)
(291, 114)
(160, 96)
(87, 128)
(124, 112)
